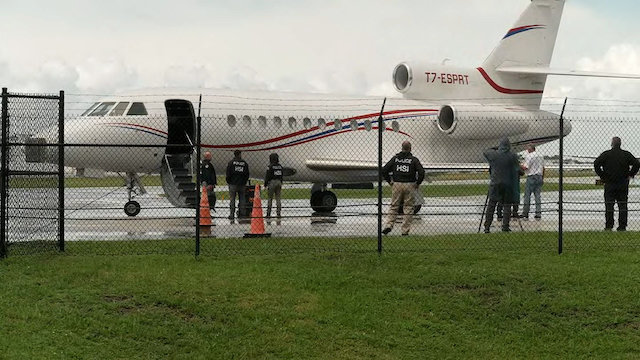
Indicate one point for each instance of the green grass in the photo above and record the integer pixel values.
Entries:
(436, 304)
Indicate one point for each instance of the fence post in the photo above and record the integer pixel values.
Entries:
(380, 130)
(561, 178)
(198, 180)
(3, 179)
(61, 171)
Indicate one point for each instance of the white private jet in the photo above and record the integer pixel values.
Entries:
(329, 139)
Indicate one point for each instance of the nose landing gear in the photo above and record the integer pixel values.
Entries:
(132, 208)
(134, 188)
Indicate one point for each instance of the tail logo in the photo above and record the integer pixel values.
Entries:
(522, 29)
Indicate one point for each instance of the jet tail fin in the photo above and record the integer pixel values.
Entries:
(529, 43)
(531, 39)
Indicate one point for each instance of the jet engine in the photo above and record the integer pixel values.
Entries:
(478, 122)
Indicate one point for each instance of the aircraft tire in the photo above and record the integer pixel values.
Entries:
(324, 201)
(132, 208)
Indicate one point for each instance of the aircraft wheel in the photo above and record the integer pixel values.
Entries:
(323, 201)
(132, 208)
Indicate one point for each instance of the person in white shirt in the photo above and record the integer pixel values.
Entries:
(534, 170)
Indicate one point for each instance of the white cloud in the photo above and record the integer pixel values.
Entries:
(619, 58)
(623, 58)
(245, 78)
(57, 75)
(186, 76)
(105, 75)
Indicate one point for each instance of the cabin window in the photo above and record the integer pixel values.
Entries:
(137, 108)
(277, 122)
(354, 125)
(89, 109)
(306, 122)
(231, 121)
(367, 125)
(102, 109)
(337, 124)
(119, 109)
(246, 120)
(293, 123)
(395, 126)
(322, 124)
(262, 121)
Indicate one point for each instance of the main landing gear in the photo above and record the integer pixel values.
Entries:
(322, 200)
(134, 188)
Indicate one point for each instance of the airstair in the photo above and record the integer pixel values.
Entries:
(177, 174)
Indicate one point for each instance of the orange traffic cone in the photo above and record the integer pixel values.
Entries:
(257, 220)
(205, 212)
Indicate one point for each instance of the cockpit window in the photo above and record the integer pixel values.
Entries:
(90, 108)
(119, 109)
(137, 108)
(102, 109)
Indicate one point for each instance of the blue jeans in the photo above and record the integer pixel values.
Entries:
(533, 185)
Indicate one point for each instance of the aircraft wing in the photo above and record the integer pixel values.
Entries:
(354, 165)
(548, 71)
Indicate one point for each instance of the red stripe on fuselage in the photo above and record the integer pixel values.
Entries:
(140, 126)
(308, 140)
(360, 117)
(505, 90)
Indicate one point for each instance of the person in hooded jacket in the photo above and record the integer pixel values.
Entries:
(515, 200)
(405, 174)
(273, 183)
(503, 164)
(615, 167)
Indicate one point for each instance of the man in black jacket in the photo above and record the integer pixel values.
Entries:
(237, 177)
(503, 164)
(405, 174)
(273, 183)
(615, 167)
(208, 178)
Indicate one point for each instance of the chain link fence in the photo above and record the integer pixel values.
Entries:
(133, 180)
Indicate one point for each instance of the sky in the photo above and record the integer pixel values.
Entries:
(325, 46)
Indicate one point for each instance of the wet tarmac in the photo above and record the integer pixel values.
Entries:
(104, 219)
(97, 214)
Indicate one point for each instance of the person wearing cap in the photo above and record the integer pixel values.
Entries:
(237, 177)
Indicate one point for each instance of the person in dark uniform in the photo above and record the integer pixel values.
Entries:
(615, 167)
(503, 164)
(237, 177)
(273, 183)
(405, 174)
(208, 179)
